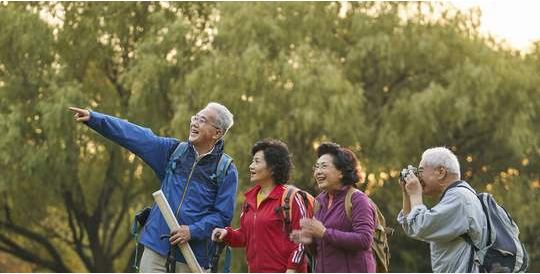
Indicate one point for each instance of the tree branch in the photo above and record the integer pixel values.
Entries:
(122, 247)
(78, 234)
(56, 264)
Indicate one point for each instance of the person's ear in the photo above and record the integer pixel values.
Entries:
(442, 172)
(218, 135)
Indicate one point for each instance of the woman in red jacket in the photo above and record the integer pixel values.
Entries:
(262, 230)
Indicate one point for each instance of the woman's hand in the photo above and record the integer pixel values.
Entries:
(301, 237)
(219, 234)
(313, 227)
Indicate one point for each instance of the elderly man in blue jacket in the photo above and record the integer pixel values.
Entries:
(199, 203)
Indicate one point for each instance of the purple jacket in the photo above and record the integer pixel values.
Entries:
(345, 246)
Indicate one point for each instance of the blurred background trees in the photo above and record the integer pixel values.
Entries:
(385, 79)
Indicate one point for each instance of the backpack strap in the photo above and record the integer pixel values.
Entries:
(453, 185)
(134, 233)
(316, 207)
(178, 152)
(286, 206)
(474, 249)
(309, 202)
(227, 260)
(376, 211)
(221, 168)
(348, 202)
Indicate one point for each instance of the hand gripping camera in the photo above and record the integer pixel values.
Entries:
(404, 172)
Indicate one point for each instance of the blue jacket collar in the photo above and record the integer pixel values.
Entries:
(216, 151)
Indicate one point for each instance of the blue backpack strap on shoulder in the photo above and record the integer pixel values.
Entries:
(178, 152)
(222, 167)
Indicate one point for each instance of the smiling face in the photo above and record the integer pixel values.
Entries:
(327, 176)
(259, 171)
(203, 130)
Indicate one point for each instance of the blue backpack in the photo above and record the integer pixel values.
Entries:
(218, 177)
(504, 251)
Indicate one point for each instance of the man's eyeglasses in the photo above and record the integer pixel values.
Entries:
(201, 121)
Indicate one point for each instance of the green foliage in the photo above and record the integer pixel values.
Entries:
(365, 77)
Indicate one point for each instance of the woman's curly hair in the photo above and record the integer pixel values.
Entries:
(277, 157)
(344, 160)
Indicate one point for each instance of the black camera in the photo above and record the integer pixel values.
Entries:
(404, 172)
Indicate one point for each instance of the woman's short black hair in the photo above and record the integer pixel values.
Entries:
(277, 157)
(344, 160)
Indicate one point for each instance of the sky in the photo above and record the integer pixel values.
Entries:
(516, 21)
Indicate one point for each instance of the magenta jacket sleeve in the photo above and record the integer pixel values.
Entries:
(363, 226)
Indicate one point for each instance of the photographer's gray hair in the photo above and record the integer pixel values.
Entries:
(441, 156)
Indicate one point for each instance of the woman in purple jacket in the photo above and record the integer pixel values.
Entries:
(338, 243)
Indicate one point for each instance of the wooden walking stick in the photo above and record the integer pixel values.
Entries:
(167, 212)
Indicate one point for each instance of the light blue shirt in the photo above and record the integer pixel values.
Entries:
(458, 212)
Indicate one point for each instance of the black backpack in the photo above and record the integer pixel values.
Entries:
(504, 252)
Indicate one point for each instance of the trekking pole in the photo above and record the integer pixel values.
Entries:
(217, 253)
(167, 212)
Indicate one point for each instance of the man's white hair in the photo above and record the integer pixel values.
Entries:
(441, 156)
(224, 118)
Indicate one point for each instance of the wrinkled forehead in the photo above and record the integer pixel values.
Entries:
(207, 113)
(326, 158)
(423, 165)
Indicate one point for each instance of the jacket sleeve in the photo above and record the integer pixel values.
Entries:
(223, 208)
(444, 222)
(363, 227)
(236, 237)
(296, 257)
(152, 149)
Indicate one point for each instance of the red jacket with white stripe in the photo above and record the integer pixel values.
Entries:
(263, 233)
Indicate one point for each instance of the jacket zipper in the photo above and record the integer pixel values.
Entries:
(323, 264)
(255, 238)
(323, 255)
(187, 186)
(254, 231)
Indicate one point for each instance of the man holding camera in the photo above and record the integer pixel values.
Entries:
(458, 212)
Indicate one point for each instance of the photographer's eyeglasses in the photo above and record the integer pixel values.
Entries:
(201, 121)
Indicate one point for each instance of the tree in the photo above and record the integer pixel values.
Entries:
(359, 74)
